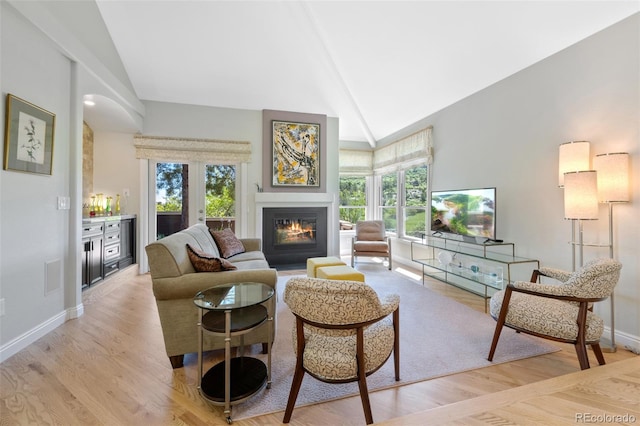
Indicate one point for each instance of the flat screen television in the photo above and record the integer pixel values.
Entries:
(470, 213)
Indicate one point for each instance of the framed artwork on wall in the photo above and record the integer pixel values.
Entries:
(28, 137)
(296, 154)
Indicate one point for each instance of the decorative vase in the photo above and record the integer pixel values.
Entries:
(99, 205)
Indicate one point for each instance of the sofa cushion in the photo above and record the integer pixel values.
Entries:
(203, 262)
(227, 243)
(247, 255)
(248, 265)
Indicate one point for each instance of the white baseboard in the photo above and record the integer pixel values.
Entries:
(624, 340)
(19, 343)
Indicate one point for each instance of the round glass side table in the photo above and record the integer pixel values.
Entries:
(234, 310)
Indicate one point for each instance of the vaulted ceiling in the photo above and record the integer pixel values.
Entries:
(377, 65)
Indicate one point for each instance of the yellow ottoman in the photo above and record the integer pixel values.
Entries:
(313, 263)
(340, 272)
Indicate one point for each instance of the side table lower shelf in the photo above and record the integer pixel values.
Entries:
(248, 376)
(233, 310)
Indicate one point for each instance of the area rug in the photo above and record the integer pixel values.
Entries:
(438, 337)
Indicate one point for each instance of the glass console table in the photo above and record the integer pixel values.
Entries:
(480, 268)
(234, 310)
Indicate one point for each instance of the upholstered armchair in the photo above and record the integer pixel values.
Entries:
(370, 240)
(343, 333)
(558, 312)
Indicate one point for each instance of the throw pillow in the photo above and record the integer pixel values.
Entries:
(203, 262)
(227, 243)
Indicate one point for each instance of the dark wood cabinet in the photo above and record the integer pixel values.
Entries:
(108, 245)
(127, 242)
(111, 246)
(92, 255)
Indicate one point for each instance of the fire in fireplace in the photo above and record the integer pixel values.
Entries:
(295, 231)
(293, 234)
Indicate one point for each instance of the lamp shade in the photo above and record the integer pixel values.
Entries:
(613, 177)
(581, 195)
(573, 157)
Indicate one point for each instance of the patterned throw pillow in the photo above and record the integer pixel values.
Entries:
(227, 243)
(203, 262)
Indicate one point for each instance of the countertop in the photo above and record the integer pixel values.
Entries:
(107, 218)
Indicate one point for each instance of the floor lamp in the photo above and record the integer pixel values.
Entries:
(613, 187)
(572, 157)
(580, 203)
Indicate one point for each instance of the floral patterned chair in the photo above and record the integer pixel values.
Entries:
(558, 312)
(343, 333)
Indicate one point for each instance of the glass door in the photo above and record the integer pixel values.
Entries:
(194, 192)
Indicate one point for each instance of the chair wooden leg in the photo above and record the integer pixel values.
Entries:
(293, 394)
(581, 346)
(362, 377)
(396, 343)
(177, 361)
(598, 353)
(504, 308)
(583, 358)
(364, 396)
(298, 375)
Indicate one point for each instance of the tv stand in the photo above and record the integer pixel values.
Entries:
(480, 268)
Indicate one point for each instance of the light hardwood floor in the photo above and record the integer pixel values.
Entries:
(109, 367)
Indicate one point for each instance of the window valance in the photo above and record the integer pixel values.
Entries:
(417, 147)
(185, 149)
(356, 162)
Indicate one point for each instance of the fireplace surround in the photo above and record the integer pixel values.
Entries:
(326, 200)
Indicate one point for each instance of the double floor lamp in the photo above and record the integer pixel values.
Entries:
(584, 189)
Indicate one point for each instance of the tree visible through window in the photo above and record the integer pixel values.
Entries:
(415, 201)
(172, 191)
(221, 191)
(389, 201)
(353, 200)
(172, 194)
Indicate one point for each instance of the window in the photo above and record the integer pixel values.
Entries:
(389, 201)
(220, 191)
(415, 201)
(353, 200)
(184, 189)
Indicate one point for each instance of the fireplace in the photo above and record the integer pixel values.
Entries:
(290, 235)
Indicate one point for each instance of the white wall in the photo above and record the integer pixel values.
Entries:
(508, 136)
(32, 230)
(115, 168)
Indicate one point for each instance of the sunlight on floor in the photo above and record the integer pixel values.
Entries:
(408, 274)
